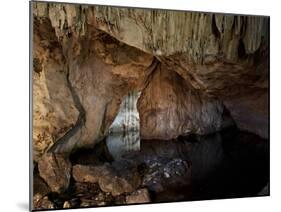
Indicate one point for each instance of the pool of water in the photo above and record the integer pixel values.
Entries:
(227, 164)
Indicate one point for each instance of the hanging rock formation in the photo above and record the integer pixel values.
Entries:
(195, 72)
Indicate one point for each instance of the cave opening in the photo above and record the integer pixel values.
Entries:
(124, 132)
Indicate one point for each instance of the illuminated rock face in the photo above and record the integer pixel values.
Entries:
(127, 119)
(124, 132)
(197, 73)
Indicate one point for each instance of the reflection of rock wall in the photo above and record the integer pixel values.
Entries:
(189, 67)
(205, 155)
(119, 144)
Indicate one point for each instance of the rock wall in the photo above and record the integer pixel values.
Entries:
(169, 107)
(54, 111)
(194, 70)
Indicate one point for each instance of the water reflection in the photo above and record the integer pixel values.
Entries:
(222, 165)
(119, 144)
(124, 132)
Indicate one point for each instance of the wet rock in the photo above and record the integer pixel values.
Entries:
(163, 174)
(55, 169)
(139, 196)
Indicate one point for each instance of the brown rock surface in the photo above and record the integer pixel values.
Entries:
(170, 107)
(121, 177)
(250, 112)
(190, 67)
(55, 169)
(89, 174)
(161, 32)
(99, 81)
(54, 112)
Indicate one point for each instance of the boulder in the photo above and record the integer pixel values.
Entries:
(88, 174)
(55, 169)
(124, 178)
(121, 177)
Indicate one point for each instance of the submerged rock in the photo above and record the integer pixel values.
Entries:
(163, 174)
(55, 169)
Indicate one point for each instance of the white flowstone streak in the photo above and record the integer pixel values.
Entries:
(124, 132)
